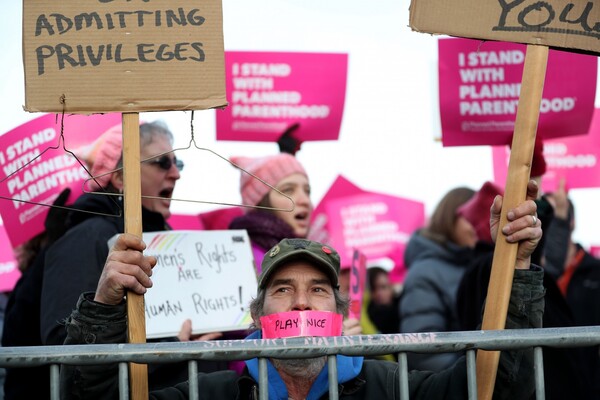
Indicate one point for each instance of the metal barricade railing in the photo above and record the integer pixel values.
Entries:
(366, 345)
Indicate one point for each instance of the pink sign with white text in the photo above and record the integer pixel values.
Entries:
(51, 169)
(9, 273)
(376, 224)
(301, 324)
(479, 85)
(358, 276)
(270, 91)
(319, 227)
(574, 159)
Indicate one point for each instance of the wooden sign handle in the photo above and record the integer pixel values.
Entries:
(505, 254)
(136, 319)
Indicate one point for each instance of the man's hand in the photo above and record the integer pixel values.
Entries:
(559, 201)
(126, 268)
(523, 225)
(351, 327)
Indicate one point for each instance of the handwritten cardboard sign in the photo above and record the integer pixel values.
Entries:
(9, 273)
(358, 277)
(126, 56)
(53, 169)
(269, 92)
(376, 224)
(301, 323)
(575, 159)
(206, 276)
(479, 86)
(554, 23)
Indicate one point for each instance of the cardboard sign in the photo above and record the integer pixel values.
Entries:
(301, 324)
(205, 276)
(576, 159)
(554, 23)
(376, 224)
(125, 56)
(595, 251)
(9, 273)
(480, 82)
(358, 277)
(270, 92)
(53, 169)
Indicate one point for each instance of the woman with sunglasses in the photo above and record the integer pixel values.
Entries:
(74, 262)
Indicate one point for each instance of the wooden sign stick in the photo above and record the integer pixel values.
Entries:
(505, 253)
(136, 319)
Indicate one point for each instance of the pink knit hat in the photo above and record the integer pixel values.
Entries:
(271, 169)
(477, 210)
(103, 155)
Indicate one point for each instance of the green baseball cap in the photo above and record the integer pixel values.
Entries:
(317, 254)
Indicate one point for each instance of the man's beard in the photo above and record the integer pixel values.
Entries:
(306, 368)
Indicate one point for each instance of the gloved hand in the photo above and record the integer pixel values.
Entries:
(287, 142)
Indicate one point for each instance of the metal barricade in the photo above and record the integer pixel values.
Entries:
(365, 345)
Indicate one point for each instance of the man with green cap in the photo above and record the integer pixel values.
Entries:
(300, 276)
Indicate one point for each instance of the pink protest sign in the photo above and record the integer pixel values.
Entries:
(52, 170)
(595, 251)
(185, 222)
(358, 276)
(301, 323)
(378, 225)
(269, 92)
(479, 85)
(341, 187)
(574, 159)
(9, 273)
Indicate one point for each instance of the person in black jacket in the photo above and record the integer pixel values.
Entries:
(299, 275)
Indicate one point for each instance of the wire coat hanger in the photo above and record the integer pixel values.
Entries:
(189, 146)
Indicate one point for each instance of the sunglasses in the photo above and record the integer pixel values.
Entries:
(165, 163)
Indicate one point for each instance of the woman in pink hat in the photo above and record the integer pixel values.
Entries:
(291, 218)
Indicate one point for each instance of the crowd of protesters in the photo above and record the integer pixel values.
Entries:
(448, 265)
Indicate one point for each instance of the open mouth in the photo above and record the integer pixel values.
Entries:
(301, 216)
(168, 193)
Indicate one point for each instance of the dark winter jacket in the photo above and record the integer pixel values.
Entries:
(92, 322)
(73, 264)
(428, 302)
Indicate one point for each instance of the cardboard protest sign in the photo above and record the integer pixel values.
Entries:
(376, 224)
(270, 92)
(479, 86)
(575, 159)
(9, 273)
(123, 56)
(358, 277)
(554, 23)
(53, 169)
(595, 251)
(208, 277)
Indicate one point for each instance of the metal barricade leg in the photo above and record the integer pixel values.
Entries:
(472, 374)
(538, 362)
(54, 382)
(333, 377)
(263, 379)
(403, 376)
(123, 381)
(192, 372)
